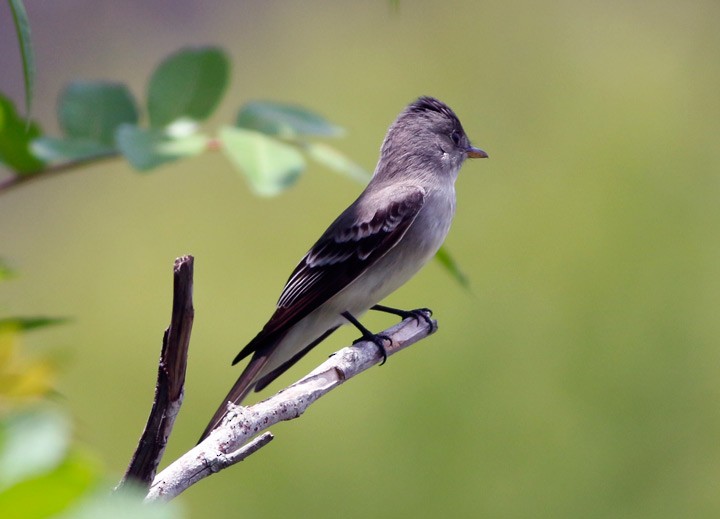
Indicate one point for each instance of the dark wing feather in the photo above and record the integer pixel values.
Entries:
(354, 242)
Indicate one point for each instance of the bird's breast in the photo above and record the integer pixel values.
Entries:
(419, 244)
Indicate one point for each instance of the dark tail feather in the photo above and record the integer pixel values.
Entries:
(249, 378)
(267, 379)
(239, 391)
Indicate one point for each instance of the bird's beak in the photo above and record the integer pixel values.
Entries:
(476, 153)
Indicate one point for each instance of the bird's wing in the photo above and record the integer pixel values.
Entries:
(356, 240)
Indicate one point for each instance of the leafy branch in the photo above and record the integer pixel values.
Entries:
(268, 141)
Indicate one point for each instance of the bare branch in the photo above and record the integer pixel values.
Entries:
(227, 444)
(170, 385)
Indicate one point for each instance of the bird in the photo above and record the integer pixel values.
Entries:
(376, 245)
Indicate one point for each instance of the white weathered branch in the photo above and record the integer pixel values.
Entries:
(236, 438)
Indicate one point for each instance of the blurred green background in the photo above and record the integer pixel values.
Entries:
(578, 378)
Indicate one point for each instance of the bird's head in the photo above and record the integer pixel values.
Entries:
(427, 136)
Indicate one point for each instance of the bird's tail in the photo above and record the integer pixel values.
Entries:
(258, 374)
(244, 385)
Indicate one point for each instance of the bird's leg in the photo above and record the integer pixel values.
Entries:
(367, 335)
(417, 314)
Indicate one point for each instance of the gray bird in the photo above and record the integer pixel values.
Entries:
(376, 245)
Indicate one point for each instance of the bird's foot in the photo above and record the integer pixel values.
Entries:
(377, 338)
(417, 314)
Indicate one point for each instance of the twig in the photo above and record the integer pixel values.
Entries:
(227, 444)
(169, 389)
(18, 180)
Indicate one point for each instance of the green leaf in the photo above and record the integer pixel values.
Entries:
(93, 110)
(447, 261)
(127, 503)
(52, 149)
(271, 166)
(149, 148)
(188, 84)
(34, 442)
(283, 120)
(15, 137)
(31, 323)
(337, 161)
(22, 27)
(53, 492)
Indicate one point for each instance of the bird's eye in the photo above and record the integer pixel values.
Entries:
(455, 136)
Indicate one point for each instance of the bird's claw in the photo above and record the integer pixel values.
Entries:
(421, 314)
(379, 340)
(417, 314)
(425, 314)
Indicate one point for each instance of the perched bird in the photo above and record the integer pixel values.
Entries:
(377, 244)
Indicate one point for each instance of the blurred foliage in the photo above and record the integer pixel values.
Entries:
(187, 85)
(146, 149)
(100, 119)
(22, 378)
(15, 138)
(284, 121)
(270, 166)
(89, 113)
(447, 261)
(41, 473)
(22, 29)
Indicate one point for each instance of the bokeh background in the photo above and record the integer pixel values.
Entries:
(578, 377)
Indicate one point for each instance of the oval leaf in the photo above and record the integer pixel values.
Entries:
(284, 120)
(188, 84)
(270, 165)
(147, 149)
(93, 110)
(15, 137)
